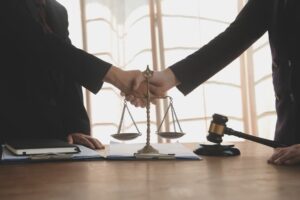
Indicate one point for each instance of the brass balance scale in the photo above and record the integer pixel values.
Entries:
(148, 151)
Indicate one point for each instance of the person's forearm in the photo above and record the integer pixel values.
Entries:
(114, 76)
(125, 81)
(250, 24)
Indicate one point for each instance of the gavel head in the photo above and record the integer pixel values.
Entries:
(217, 128)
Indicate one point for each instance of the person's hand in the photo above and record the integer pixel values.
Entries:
(162, 81)
(138, 96)
(132, 84)
(88, 141)
(126, 81)
(159, 84)
(286, 156)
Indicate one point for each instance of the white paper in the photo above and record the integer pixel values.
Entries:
(122, 151)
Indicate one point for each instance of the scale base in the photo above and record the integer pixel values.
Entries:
(148, 149)
(149, 152)
(217, 150)
(152, 156)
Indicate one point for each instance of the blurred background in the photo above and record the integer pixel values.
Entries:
(132, 34)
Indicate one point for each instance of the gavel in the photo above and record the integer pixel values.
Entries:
(218, 129)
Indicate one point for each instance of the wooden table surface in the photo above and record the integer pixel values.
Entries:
(243, 177)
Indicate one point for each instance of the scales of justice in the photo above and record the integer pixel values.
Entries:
(149, 151)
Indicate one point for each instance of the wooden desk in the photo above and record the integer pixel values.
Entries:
(244, 177)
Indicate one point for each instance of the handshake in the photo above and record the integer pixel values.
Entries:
(133, 84)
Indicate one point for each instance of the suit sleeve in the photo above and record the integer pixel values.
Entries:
(250, 24)
(75, 117)
(50, 50)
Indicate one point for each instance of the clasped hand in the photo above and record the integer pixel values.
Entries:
(159, 83)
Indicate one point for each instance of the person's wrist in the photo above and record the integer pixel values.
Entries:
(170, 76)
(113, 76)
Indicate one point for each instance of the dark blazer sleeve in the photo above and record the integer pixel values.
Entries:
(250, 24)
(50, 50)
(75, 117)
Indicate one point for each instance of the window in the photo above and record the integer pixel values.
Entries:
(188, 25)
(132, 34)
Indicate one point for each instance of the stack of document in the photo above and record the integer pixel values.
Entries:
(119, 151)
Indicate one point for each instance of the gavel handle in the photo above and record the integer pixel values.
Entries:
(266, 142)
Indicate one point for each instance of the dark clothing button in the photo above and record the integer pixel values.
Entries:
(292, 97)
(277, 97)
(289, 63)
(275, 65)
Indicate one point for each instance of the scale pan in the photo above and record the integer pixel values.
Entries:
(126, 136)
(171, 135)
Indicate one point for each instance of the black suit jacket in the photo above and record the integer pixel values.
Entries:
(281, 19)
(42, 74)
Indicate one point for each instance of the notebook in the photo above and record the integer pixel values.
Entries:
(84, 154)
(40, 146)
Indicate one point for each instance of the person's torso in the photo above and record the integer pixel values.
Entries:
(30, 106)
(284, 40)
